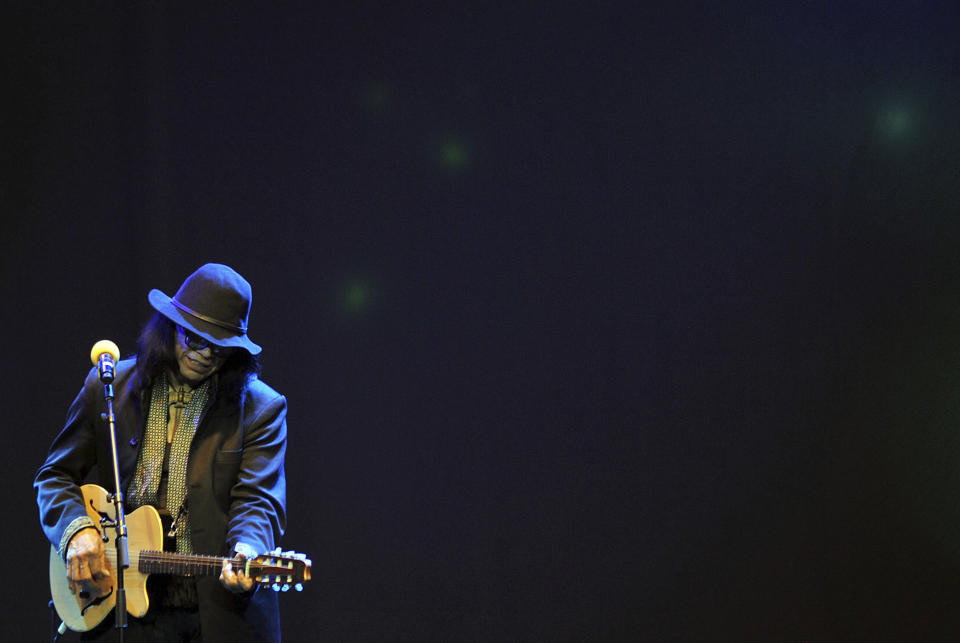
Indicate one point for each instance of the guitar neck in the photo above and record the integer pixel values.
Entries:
(172, 564)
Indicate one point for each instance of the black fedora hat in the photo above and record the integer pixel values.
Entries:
(214, 303)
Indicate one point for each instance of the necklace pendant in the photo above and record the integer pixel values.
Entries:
(176, 521)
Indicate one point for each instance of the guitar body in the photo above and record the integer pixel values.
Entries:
(144, 532)
(282, 570)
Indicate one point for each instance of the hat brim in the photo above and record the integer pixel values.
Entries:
(211, 332)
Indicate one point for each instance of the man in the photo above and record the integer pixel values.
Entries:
(201, 439)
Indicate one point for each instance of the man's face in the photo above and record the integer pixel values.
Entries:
(197, 358)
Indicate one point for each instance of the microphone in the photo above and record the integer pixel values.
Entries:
(104, 356)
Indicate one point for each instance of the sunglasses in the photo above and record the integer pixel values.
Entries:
(198, 343)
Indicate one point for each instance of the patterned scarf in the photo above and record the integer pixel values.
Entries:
(144, 487)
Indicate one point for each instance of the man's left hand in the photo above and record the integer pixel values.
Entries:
(234, 579)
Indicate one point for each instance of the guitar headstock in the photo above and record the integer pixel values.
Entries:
(281, 570)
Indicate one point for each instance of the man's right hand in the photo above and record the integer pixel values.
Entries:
(87, 567)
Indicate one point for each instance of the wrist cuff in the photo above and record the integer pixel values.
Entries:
(246, 550)
(78, 523)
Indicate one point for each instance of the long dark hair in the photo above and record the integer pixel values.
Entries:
(156, 353)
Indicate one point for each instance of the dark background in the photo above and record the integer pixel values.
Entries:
(613, 323)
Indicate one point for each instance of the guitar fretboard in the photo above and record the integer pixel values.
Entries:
(160, 562)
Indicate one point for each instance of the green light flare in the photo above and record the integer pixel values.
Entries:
(453, 154)
(376, 97)
(895, 122)
(356, 297)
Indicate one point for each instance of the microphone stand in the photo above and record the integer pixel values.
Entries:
(119, 523)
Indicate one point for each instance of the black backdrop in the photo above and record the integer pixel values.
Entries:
(610, 323)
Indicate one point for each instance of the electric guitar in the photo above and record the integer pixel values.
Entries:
(81, 613)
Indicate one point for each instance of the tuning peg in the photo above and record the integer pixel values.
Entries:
(298, 587)
(276, 587)
(284, 588)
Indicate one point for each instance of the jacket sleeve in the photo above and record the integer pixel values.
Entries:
(257, 516)
(71, 456)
